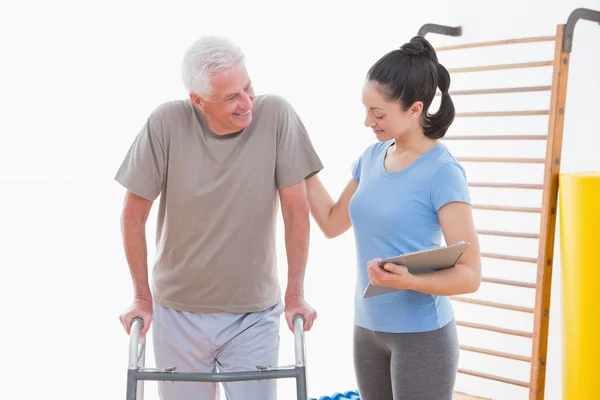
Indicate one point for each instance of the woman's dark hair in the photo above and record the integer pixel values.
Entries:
(412, 73)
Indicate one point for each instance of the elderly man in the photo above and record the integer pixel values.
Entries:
(219, 161)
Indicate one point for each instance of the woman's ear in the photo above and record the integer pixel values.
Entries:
(415, 110)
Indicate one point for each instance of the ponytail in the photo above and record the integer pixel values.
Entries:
(436, 125)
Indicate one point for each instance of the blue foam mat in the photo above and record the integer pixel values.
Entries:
(350, 395)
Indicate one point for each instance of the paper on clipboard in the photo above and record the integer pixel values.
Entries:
(421, 262)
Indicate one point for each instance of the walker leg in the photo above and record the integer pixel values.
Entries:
(301, 389)
(141, 364)
(137, 359)
(300, 352)
(131, 386)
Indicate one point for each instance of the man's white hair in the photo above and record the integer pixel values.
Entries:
(206, 56)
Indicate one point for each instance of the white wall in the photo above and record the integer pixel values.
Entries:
(515, 19)
(78, 82)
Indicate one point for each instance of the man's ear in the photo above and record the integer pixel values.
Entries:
(197, 101)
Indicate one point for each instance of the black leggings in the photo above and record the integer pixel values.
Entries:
(406, 366)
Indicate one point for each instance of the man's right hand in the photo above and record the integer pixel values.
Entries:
(141, 308)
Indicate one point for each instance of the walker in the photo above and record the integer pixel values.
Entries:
(137, 372)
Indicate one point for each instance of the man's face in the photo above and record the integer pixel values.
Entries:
(229, 108)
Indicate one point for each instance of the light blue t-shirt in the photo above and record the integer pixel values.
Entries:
(394, 213)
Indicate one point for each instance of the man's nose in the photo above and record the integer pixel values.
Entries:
(246, 101)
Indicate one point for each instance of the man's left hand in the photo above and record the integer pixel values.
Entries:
(295, 305)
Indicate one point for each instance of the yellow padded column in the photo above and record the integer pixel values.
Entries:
(580, 254)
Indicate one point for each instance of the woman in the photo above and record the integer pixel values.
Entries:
(406, 191)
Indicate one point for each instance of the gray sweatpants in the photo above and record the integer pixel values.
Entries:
(406, 366)
(219, 342)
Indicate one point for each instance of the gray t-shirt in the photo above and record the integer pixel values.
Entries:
(218, 202)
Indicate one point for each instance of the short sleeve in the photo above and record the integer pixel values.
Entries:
(356, 165)
(449, 185)
(143, 168)
(296, 156)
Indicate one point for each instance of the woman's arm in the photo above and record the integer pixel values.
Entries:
(332, 217)
(457, 224)
(456, 220)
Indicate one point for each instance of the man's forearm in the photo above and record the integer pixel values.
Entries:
(134, 242)
(297, 237)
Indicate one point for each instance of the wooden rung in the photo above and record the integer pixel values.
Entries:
(503, 160)
(506, 185)
(506, 208)
(535, 64)
(520, 235)
(496, 137)
(502, 113)
(464, 396)
(492, 304)
(496, 43)
(509, 258)
(508, 282)
(495, 353)
(496, 329)
(493, 377)
(522, 89)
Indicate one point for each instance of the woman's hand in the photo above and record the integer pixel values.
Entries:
(391, 275)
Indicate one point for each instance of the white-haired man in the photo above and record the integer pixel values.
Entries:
(219, 160)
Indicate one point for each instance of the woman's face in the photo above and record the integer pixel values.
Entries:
(386, 118)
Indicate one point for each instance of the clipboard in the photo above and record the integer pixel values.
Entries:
(419, 262)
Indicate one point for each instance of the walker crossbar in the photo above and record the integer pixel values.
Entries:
(137, 373)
